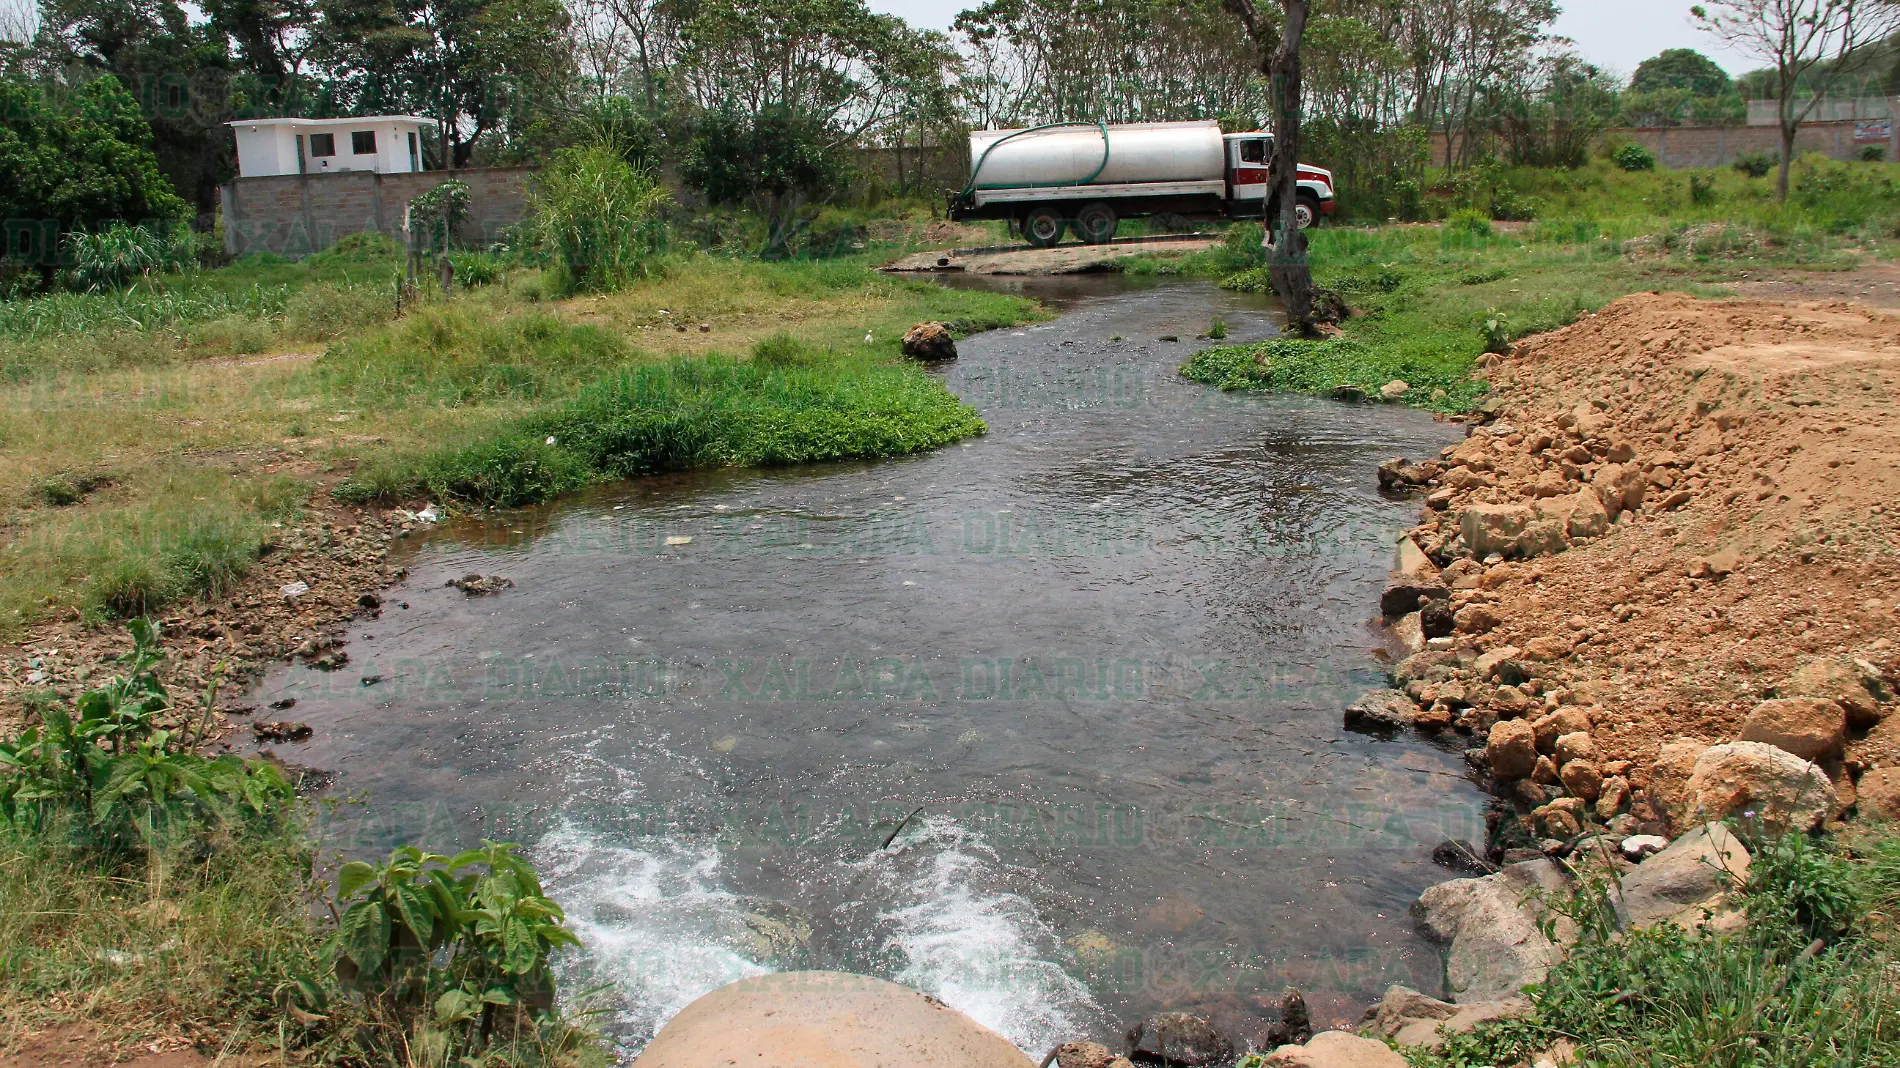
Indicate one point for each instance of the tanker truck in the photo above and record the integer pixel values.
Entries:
(1091, 175)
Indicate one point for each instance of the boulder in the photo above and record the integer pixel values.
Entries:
(1477, 619)
(930, 341)
(1336, 1049)
(1395, 390)
(1381, 712)
(1179, 1038)
(1511, 750)
(1684, 883)
(1613, 796)
(826, 1018)
(1878, 794)
(1494, 528)
(1410, 1018)
(1839, 681)
(1756, 782)
(1460, 855)
(1582, 778)
(1543, 537)
(1576, 745)
(1436, 618)
(1404, 592)
(1619, 488)
(1638, 846)
(1564, 721)
(1812, 728)
(1669, 779)
(1491, 927)
(1581, 514)
(1088, 1055)
(1409, 629)
(1549, 647)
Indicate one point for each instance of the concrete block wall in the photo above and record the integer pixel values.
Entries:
(297, 214)
(1680, 147)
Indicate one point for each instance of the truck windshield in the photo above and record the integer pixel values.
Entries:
(1253, 152)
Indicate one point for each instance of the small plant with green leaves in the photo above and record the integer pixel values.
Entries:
(1217, 330)
(1702, 188)
(1754, 164)
(122, 761)
(455, 950)
(1496, 329)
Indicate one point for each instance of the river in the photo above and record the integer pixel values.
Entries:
(1088, 670)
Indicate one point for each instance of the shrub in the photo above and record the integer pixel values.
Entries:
(1496, 329)
(476, 268)
(111, 257)
(1873, 153)
(1755, 164)
(1702, 188)
(598, 215)
(1469, 222)
(1634, 157)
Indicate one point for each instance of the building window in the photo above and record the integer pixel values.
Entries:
(323, 144)
(363, 142)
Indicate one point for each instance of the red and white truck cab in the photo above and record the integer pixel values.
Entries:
(1249, 182)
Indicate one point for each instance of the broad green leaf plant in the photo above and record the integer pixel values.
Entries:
(467, 938)
(122, 759)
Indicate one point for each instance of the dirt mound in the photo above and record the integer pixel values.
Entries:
(1746, 459)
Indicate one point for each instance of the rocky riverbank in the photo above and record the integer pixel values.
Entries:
(314, 578)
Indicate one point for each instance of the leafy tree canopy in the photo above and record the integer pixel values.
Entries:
(1680, 68)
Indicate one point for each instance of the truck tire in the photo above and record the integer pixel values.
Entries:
(1043, 226)
(1095, 223)
(1306, 213)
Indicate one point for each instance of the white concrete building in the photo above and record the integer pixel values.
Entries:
(387, 144)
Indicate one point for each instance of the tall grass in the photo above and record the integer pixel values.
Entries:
(457, 355)
(687, 412)
(598, 214)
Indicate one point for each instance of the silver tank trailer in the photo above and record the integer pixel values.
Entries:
(1137, 152)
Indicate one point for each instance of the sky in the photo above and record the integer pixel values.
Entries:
(1614, 34)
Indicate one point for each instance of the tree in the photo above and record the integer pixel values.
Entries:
(1288, 266)
(1806, 41)
(76, 161)
(1680, 68)
(774, 163)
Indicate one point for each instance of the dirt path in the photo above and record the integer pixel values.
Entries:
(1876, 285)
(1072, 258)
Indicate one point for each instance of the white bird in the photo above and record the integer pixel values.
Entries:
(867, 337)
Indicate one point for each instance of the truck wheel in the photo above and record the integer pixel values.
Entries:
(1306, 211)
(1095, 223)
(1043, 226)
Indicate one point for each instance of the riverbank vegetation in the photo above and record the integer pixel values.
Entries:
(1426, 303)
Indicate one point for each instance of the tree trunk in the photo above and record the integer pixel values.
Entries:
(1788, 131)
(1288, 265)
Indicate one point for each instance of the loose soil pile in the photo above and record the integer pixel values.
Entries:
(1679, 508)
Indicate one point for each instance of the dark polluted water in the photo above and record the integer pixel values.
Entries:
(1084, 674)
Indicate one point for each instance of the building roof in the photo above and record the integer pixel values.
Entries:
(354, 120)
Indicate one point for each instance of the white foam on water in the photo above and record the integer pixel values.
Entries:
(654, 925)
(976, 946)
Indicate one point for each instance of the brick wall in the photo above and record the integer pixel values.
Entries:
(1716, 146)
(297, 214)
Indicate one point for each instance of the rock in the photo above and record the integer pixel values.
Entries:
(1511, 750)
(1584, 779)
(1179, 1038)
(1577, 745)
(1556, 822)
(480, 585)
(826, 1018)
(1581, 514)
(1087, 1055)
(1336, 1049)
(1878, 794)
(1812, 728)
(930, 341)
(293, 590)
(1638, 846)
(1349, 394)
(280, 731)
(1543, 537)
(1491, 926)
(1839, 681)
(1684, 881)
(1405, 592)
(1494, 528)
(1409, 629)
(1669, 779)
(1410, 1018)
(1381, 712)
(1510, 701)
(1545, 774)
(1756, 782)
(1460, 855)
(1554, 725)
(1477, 619)
(1394, 390)
(1619, 488)
(1436, 618)
(1613, 796)
(1549, 647)
(1500, 665)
